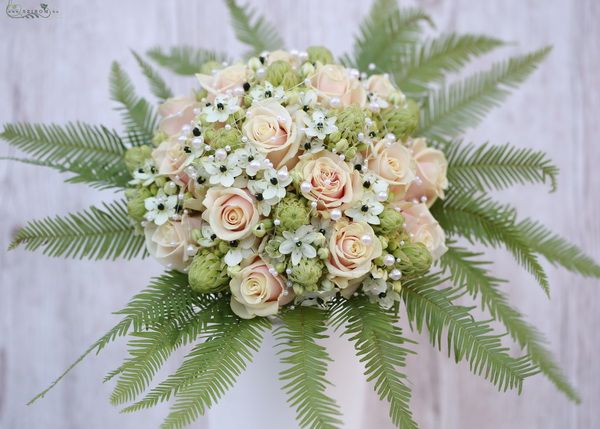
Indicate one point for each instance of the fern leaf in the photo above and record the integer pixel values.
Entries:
(468, 271)
(381, 346)
(430, 61)
(253, 30)
(467, 338)
(557, 250)
(137, 114)
(185, 60)
(95, 233)
(307, 361)
(477, 218)
(157, 84)
(453, 109)
(166, 295)
(488, 167)
(386, 34)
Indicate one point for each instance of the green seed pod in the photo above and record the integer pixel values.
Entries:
(207, 273)
(209, 66)
(307, 273)
(135, 157)
(402, 121)
(350, 121)
(390, 221)
(292, 213)
(414, 258)
(280, 73)
(135, 203)
(319, 54)
(221, 137)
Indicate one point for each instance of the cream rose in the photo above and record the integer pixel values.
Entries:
(271, 128)
(280, 55)
(334, 81)
(231, 212)
(224, 80)
(423, 228)
(169, 241)
(380, 84)
(395, 164)
(175, 113)
(257, 292)
(350, 252)
(432, 168)
(332, 183)
(170, 158)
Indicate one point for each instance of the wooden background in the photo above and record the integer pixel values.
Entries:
(56, 70)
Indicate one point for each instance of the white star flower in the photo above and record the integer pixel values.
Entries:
(209, 238)
(244, 249)
(221, 108)
(160, 208)
(319, 125)
(298, 243)
(308, 99)
(317, 299)
(367, 210)
(144, 175)
(251, 160)
(222, 171)
(267, 90)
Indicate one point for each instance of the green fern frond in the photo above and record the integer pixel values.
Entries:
(468, 271)
(167, 294)
(430, 61)
(253, 30)
(467, 338)
(137, 114)
(488, 167)
(557, 250)
(453, 109)
(96, 233)
(381, 346)
(185, 60)
(209, 369)
(477, 218)
(158, 86)
(151, 348)
(305, 376)
(386, 34)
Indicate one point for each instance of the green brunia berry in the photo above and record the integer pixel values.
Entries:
(390, 222)
(136, 156)
(221, 137)
(307, 273)
(319, 54)
(403, 121)
(207, 273)
(280, 73)
(292, 213)
(135, 202)
(415, 259)
(350, 122)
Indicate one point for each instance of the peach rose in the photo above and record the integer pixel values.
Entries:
(423, 228)
(274, 132)
(175, 113)
(334, 81)
(170, 157)
(350, 255)
(393, 163)
(224, 80)
(231, 212)
(257, 292)
(380, 84)
(333, 183)
(432, 167)
(280, 55)
(168, 242)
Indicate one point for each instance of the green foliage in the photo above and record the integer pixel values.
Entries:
(454, 108)
(486, 166)
(157, 84)
(381, 347)
(184, 60)
(167, 295)
(557, 250)
(467, 271)
(478, 218)
(385, 35)
(96, 233)
(305, 376)
(467, 338)
(429, 62)
(253, 30)
(138, 115)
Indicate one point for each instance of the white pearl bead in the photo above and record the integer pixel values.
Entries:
(220, 154)
(255, 164)
(238, 90)
(227, 148)
(191, 250)
(382, 196)
(367, 239)
(360, 136)
(186, 129)
(395, 274)
(283, 174)
(313, 204)
(374, 106)
(276, 222)
(227, 127)
(389, 260)
(261, 72)
(273, 271)
(305, 187)
(335, 102)
(327, 182)
(342, 157)
(390, 136)
(288, 271)
(372, 66)
(336, 214)
(423, 199)
(307, 82)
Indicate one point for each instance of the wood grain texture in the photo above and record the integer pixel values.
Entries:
(56, 70)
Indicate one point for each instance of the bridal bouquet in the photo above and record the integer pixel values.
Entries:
(296, 189)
